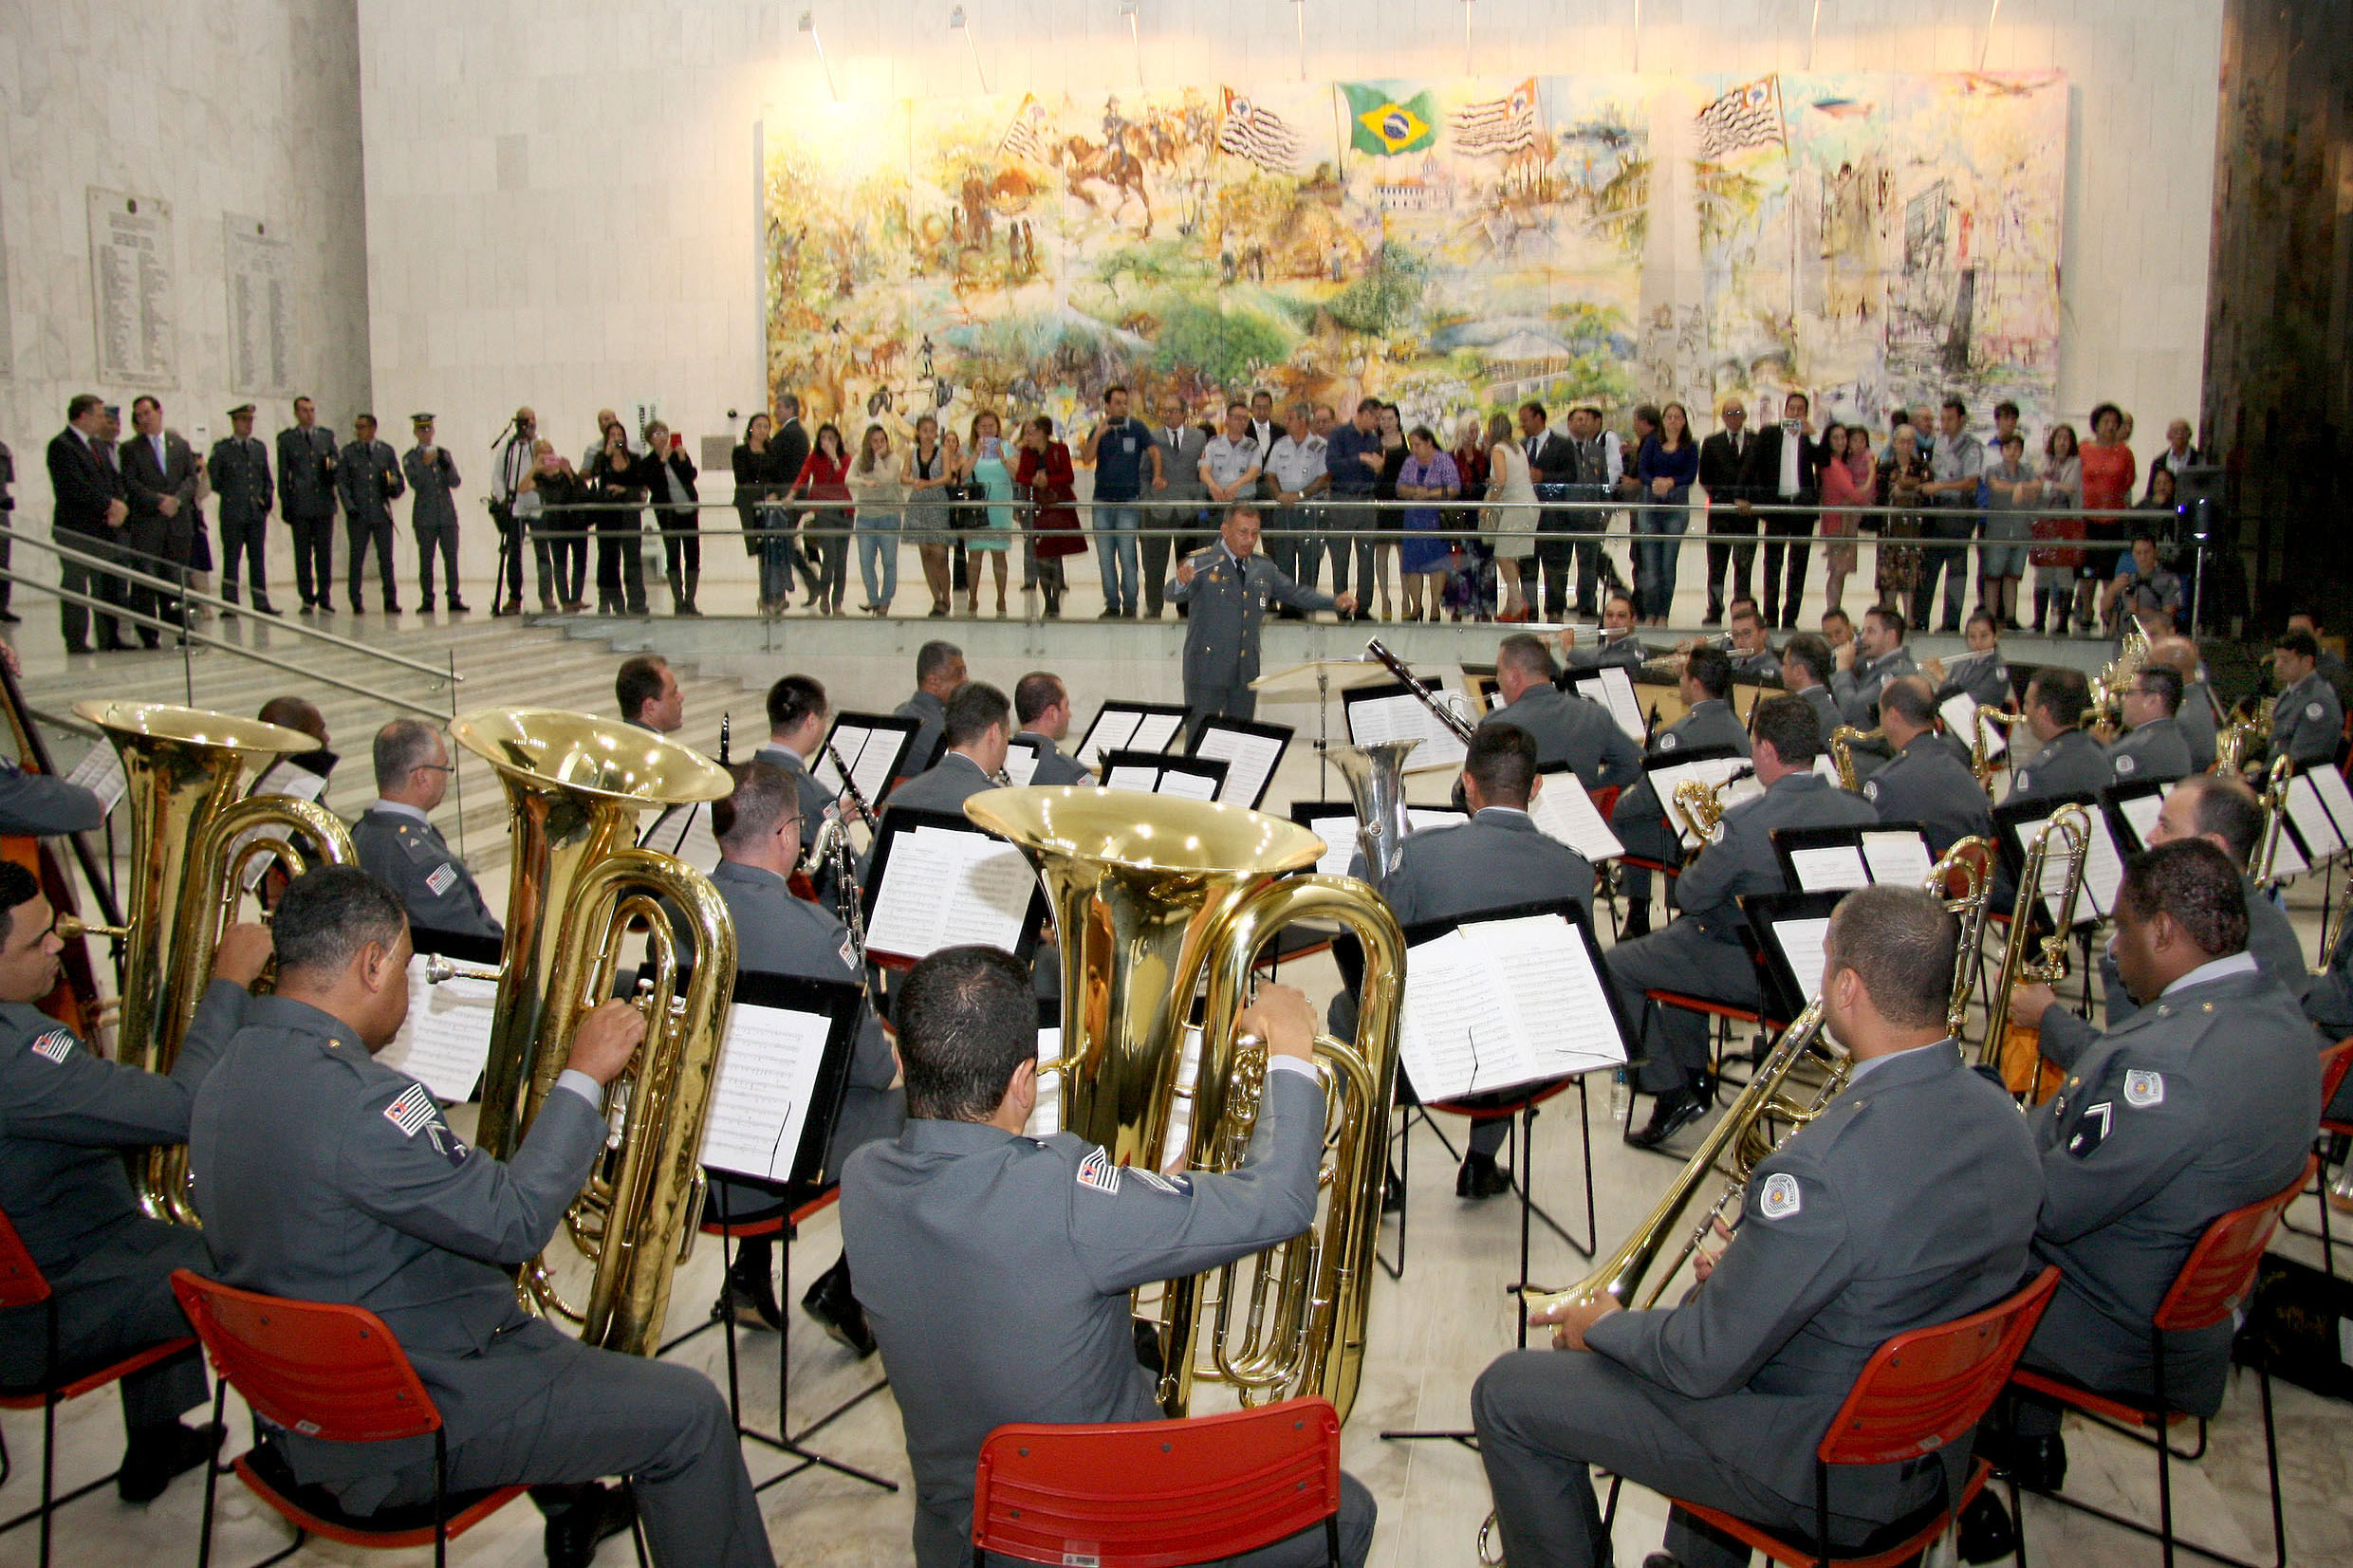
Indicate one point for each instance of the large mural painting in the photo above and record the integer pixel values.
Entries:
(1454, 246)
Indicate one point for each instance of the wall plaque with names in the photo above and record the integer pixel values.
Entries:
(131, 289)
(261, 307)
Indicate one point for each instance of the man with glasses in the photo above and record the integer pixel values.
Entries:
(399, 846)
(2153, 748)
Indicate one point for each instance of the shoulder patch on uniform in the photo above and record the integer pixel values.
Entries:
(2092, 1131)
(1669, 741)
(2003, 671)
(2124, 763)
(1870, 789)
(2311, 709)
(847, 951)
(411, 1109)
(54, 1046)
(443, 878)
(2143, 1088)
(1097, 1172)
(1779, 1199)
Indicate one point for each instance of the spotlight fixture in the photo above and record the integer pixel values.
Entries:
(958, 24)
(809, 24)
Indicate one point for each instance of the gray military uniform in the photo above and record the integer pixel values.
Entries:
(367, 477)
(2192, 1107)
(1925, 784)
(1825, 709)
(2072, 763)
(815, 798)
(995, 1270)
(1857, 691)
(2196, 717)
(1763, 663)
(1701, 953)
(432, 515)
(1639, 818)
(66, 1117)
(944, 789)
(39, 805)
(1053, 767)
(407, 854)
(1909, 1201)
(2307, 721)
(1572, 728)
(2154, 752)
(932, 714)
(1228, 599)
(327, 1176)
(1985, 679)
(1625, 651)
(239, 472)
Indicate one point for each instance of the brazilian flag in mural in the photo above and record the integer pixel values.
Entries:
(1381, 125)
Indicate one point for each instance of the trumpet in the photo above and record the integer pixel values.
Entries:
(1843, 743)
(2013, 1049)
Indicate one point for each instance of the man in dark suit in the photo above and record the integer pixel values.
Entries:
(91, 508)
(1552, 463)
(306, 501)
(240, 471)
(1775, 475)
(2178, 453)
(789, 450)
(1721, 456)
(159, 482)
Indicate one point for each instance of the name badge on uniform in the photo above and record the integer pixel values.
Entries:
(1779, 1200)
(1097, 1172)
(54, 1046)
(2143, 1088)
(443, 880)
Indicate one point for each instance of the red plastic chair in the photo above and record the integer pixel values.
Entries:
(2334, 1063)
(1923, 1392)
(2218, 1274)
(22, 1285)
(1159, 1494)
(328, 1372)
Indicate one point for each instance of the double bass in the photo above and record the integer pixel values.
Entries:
(74, 1001)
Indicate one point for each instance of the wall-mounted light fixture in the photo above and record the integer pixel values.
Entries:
(809, 24)
(1987, 42)
(1466, 38)
(958, 24)
(1135, 37)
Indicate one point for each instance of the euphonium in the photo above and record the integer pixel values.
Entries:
(183, 768)
(2241, 739)
(2275, 785)
(1702, 807)
(2116, 678)
(1376, 779)
(1843, 743)
(2013, 1049)
(1152, 897)
(574, 788)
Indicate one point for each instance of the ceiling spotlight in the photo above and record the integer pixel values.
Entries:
(809, 24)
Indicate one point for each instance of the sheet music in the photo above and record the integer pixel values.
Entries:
(2322, 842)
(100, 771)
(1959, 714)
(1403, 718)
(760, 1098)
(1562, 810)
(1713, 770)
(1900, 857)
(1499, 1003)
(284, 779)
(2329, 785)
(2141, 812)
(1338, 834)
(1803, 944)
(868, 752)
(446, 1038)
(1045, 1116)
(1154, 731)
(942, 888)
(1114, 729)
(1249, 759)
(1021, 761)
(1830, 869)
(1134, 776)
(1187, 785)
(1612, 688)
(1827, 770)
(2104, 868)
(2286, 856)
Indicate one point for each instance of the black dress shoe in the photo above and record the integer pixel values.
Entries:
(10, 618)
(1673, 1111)
(1985, 1533)
(753, 1301)
(2036, 1464)
(836, 1310)
(458, 607)
(1482, 1178)
(155, 1456)
(598, 1513)
(357, 608)
(270, 610)
(76, 647)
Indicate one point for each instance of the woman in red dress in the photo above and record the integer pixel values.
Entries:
(2108, 473)
(1045, 476)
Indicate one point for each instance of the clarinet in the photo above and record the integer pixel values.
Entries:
(724, 720)
(1453, 721)
(848, 897)
(849, 787)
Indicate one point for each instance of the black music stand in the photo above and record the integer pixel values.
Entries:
(900, 820)
(1789, 842)
(1280, 735)
(1143, 713)
(1211, 771)
(874, 729)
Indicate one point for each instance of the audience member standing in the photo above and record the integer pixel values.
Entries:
(1394, 448)
(90, 516)
(1600, 464)
(617, 485)
(1046, 480)
(2108, 464)
(1848, 479)
(1665, 469)
(1783, 470)
(670, 482)
(432, 475)
(306, 501)
(239, 469)
(2056, 567)
(1352, 456)
(790, 450)
(1295, 473)
(1721, 459)
(2013, 492)
(1179, 496)
(545, 499)
(517, 452)
(1956, 464)
(824, 480)
(1509, 524)
(2178, 453)
(1120, 451)
(159, 481)
(1461, 523)
(929, 475)
(367, 477)
(880, 492)
(1427, 475)
(756, 492)
(988, 475)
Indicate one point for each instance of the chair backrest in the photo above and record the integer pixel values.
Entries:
(1154, 1494)
(2221, 1269)
(311, 1367)
(22, 1282)
(1976, 853)
(2335, 1062)
(1924, 1389)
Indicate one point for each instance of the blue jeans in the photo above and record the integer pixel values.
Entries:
(1658, 551)
(1115, 554)
(878, 548)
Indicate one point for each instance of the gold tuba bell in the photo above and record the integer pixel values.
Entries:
(574, 788)
(182, 768)
(1152, 897)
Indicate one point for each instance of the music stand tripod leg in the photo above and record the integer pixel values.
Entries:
(784, 1440)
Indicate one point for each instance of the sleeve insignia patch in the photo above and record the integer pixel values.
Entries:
(413, 1110)
(2092, 1131)
(1669, 741)
(2143, 1088)
(1161, 1184)
(1097, 1172)
(2124, 764)
(444, 878)
(847, 951)
(1780, 1198)
(1870, 789)
(54, 1046)
(2312, 710)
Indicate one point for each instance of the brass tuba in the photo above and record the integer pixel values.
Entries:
(2242, 738)
(182, 768)
(1843, 743)
(2116, 678)
(1376, 779)
(1152, 897)
(574, 788)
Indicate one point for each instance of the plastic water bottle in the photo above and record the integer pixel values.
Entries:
(1620, 1095)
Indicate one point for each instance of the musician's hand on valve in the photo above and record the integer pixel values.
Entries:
(1571, 1319)
(1281, 1017)
(1845, 656)
(2027, 1004)
(242, 953)
(606, 1039)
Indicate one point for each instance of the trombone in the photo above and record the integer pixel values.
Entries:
(2264, 872)
(2013, 1049)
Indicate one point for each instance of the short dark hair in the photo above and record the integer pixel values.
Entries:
(2229, 810)
(1527, 652)
(1535, 407)
(1649, 414)
(1813, 651)
(1711, 670)
(1034, 693)
(1744, 609)
(934, 657)
(296, 713)
(1910, 697)
(2194, 884)
(1616, 596)
(1368, 405)
(2061, 693)
(2297, 641)
(1801, 398)
(1986, 615)
(1890, 620)
(2163, 684)
(1834, 613)
(17, 885)
(2099, 409)
(1790, 724)
(792, 699)
(326, 916)
(1957, 406)
(81, 403)
(1501, 760)
(763, 795)
(1114, 390)
(2005, 406)
(967, 1021)
(1902, 943)
(975, 706)
(402, 747)
(638, 683)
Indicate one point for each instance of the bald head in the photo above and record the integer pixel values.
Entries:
(2180, 654)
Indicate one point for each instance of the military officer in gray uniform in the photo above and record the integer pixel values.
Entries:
(432, 475)
(399, 846)
(1178, 498)
(1982, 672)
(1617, 645)
(2197, 712)
(306, 496)
(1875, 657)
(1701, 954)
(368, 480)
(1227, 587)
(2307, 722)
(938, 671)
(1568, 727)
(759, 829)
(40, 805)
(1639, 818)
(978, 726)
(797, 716)
(1041, 706)
(2153, 749)
(1807, 666)
(2067, 761)
(68, 1117)
(327, 1176)
(1750, 650)
(996, 1268)
(1925, 784)
(2202, 1102)
(1910, 1201)
(238, 468)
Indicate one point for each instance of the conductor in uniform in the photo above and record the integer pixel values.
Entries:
(399, 846)
(2153, 749)
(1041, 706)
(2068, 762)
(2202, 1102)
(327, 1176)
(238, 468)
(996, 1268)
(68, 1118)
(1925, 784)
(1568, 727)
(432, 475)
(1701, 954)
(1909, 1201)
(938, 671)
(2307, 721)
(1227, 588)
(1640, 819)
(368, 480)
